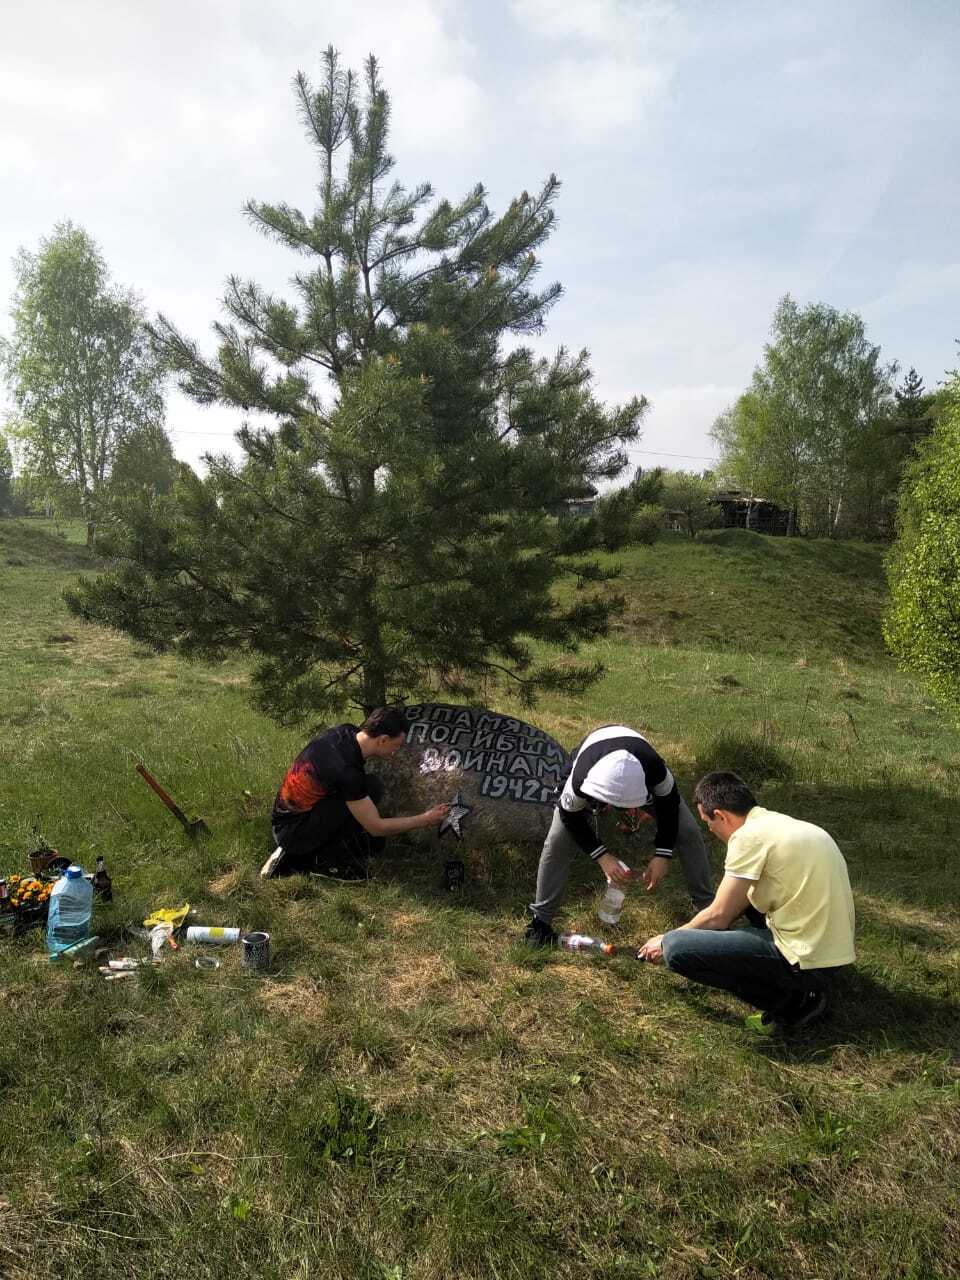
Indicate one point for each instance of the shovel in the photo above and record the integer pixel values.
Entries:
(193, 829)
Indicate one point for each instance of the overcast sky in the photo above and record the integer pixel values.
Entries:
(714, 156)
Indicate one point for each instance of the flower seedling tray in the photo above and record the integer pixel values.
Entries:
(26, 906)
(23, 919)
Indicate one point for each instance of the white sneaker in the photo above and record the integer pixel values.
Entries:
(269, 868)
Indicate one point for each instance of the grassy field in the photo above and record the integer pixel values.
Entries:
(410, 1095)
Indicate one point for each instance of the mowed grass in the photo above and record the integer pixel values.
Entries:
(411, 1095)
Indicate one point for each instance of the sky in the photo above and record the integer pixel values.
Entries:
(714, 156)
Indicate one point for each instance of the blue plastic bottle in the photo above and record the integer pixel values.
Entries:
(71, 905)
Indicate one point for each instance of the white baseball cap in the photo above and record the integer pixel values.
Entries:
(617, 779)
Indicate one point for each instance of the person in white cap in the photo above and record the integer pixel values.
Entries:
(616, 767)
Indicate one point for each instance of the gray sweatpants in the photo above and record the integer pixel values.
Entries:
(559, 850)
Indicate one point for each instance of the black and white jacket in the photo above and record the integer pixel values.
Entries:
(575, 808)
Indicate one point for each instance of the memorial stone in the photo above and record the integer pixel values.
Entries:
(499, 774)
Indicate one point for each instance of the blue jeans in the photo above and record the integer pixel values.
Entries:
(744, 962)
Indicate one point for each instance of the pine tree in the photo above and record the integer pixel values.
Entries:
(913, 418)
(395, 535)
(630, 514)
(144, 460)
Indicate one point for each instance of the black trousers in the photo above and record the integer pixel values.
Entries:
(327, 837)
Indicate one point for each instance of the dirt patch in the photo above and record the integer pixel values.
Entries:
(305, 1000)
(225, 885)
(581, 979)
(419, 979)
(408, 921)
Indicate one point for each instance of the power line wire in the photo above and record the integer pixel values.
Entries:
(660, 453)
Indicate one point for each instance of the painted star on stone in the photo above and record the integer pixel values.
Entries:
(458, 811)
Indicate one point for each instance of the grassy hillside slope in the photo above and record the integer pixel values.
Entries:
(732, 589)
(410, 1095)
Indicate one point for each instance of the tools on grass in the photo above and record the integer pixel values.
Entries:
(194, 829)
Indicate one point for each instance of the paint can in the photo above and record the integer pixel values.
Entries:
(255, 956)
(211, 933)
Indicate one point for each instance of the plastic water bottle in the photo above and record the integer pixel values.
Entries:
(611, 904)
(581, 942)
(71, 905)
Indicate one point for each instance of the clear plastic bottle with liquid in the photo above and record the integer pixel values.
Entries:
(71, 906)
(611, 904)
(582, 942)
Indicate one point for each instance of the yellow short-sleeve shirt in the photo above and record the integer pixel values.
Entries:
(800, 883)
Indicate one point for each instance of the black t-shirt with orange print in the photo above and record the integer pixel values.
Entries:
(328, 771)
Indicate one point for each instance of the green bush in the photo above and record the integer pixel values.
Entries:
(922, 627)
(647, 526)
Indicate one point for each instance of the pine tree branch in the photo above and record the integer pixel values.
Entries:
(243, 607)
(233, 478)
(242, 312)
(257, 213)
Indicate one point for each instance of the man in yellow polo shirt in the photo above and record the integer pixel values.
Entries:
(791, 872)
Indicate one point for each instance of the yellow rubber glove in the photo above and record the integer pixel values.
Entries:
(167, 915)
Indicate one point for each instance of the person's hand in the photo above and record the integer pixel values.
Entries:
(433, 817)
(652, 950)
(654, 872)
(611, 868)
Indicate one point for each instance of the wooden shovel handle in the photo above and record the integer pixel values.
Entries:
(171, 805)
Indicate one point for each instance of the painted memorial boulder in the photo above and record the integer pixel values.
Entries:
(498, 774)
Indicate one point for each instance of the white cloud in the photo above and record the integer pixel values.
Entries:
(592, 98)
(603, 22)
(916, 284)
(604, 66)
(710, 164)
(428, 64)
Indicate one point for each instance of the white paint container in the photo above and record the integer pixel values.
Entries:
(212, 933)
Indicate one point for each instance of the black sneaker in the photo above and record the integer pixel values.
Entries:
(811, 1006)
(539, 934)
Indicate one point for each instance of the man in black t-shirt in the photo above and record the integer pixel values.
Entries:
(325, 816)
(616, 767)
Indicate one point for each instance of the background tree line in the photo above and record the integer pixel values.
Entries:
(87, 386)
(822, 431)
(396, 535)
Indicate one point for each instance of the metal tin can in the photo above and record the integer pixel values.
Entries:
(255, 956)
